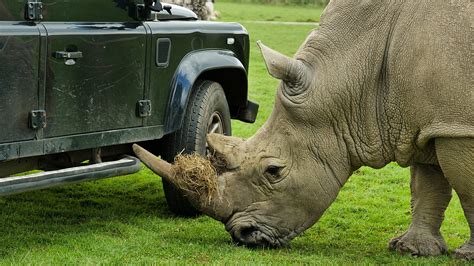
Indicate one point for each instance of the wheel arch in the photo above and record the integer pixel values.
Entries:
(234, 84)
(221, 66)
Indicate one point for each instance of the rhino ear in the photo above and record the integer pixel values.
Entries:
(225, 148)
(281, 66)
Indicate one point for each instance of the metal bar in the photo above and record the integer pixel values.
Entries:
(18, 184)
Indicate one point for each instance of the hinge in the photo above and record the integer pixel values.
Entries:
(37, 119)
(34, 10)
(144, 108)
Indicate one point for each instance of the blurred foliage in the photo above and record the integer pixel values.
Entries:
(282, 2)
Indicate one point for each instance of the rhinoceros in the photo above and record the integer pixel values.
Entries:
(377, 82)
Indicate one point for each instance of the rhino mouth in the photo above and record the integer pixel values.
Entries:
(251, 234)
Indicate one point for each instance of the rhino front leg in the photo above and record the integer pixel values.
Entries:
(456, 157)
(431, 194)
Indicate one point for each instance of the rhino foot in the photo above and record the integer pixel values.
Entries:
(418, 244)
(466, 252)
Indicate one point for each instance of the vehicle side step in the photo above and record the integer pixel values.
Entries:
(18, 184)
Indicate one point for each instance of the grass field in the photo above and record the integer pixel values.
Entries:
(125, 219)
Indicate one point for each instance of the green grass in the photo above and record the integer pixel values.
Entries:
(125, 219)
(253, 12)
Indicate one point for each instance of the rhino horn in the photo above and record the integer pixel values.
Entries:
(157, 165)
(223, 147)
(281, 66)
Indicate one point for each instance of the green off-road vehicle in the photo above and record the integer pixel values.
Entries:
(81, 80)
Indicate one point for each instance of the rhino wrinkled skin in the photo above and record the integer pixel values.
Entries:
(378, 82)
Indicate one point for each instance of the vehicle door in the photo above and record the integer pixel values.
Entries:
(95, 76)
(19, 61)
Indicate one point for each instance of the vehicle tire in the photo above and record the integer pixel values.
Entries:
(207, 112)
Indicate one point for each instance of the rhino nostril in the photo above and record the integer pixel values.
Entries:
(251, 236)
(248, 233)
(243, 234)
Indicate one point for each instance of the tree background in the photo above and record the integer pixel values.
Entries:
(197, 6)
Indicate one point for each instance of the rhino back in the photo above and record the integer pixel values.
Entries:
(399, 73)
(430, 80)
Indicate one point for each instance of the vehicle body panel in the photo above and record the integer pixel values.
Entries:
(196, 47)
(99, 91)
(19, 43)
(22, 149)
(91, 10)
(91, 102)
(73, 10)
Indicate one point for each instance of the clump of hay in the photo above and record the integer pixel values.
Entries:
(196, 174)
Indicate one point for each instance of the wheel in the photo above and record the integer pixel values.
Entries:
(207, 112)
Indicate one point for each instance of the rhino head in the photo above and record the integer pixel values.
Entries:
(280, 181)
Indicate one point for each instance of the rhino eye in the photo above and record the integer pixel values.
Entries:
(273, 173)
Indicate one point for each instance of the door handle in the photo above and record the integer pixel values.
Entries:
(67, 55)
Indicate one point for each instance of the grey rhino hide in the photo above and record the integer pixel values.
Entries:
(378, 82)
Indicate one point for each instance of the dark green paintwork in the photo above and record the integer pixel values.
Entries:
(73, 10)
(101, 90)
(19, 58)
(92, 101)
(188, 36)
(90, 10)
